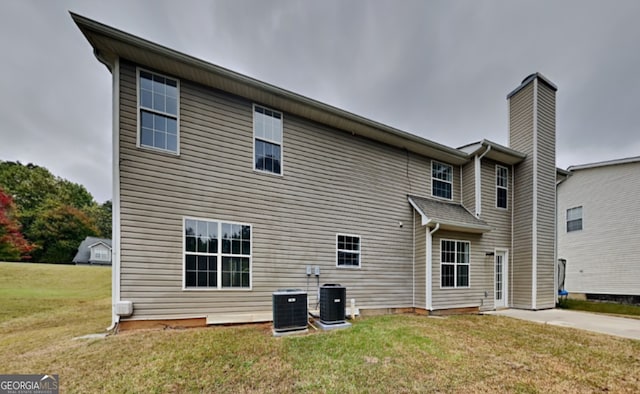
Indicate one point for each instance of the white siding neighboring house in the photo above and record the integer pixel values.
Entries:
(599, 229)
(94, 251)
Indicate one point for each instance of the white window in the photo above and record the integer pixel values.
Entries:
(454, 263)
(157, 112)
(441, 180)
(217, 255)
(267, 142)
(347, 250)
(101, 253)
(574, 219)
(502, 179)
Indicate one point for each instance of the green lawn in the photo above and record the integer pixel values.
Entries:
(46, 306)
(601, 307)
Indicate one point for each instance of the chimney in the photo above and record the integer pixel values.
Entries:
(532, 130)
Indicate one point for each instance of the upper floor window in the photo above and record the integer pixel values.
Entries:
(158, 112)
(454, 263)
(267, 132)
(217, 255)
(574, 219)
(502, 179)
(441, 180)
(348, 250)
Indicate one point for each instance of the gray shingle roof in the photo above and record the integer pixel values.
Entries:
(450, 215)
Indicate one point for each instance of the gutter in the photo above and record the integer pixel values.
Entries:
(92, 30)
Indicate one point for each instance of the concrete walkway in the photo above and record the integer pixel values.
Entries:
(604, 324)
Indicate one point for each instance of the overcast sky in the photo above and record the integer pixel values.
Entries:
(439, 69)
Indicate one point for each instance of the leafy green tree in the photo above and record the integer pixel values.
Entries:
(42, 204)
(73, 194)
(103, 221)
(59, 230)
(13, 246)
(101, 216)
(29, 185)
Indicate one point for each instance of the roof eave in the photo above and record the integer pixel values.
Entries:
(110, 43)
(499, 153)
(460, 227)
(626, 160)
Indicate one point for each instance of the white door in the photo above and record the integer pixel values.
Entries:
(500, 280)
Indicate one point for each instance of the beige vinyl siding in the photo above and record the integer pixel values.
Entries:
(498, 218)
(333, 182)
(521, 139)
(448, 298)
(420, 263)
(546, 198)
(603, 257)
(468, 184)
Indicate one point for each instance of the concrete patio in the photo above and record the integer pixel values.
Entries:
(604, 324)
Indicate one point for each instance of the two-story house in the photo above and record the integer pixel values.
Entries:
(598, 237)
(227, 188)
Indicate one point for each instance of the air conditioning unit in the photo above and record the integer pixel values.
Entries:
(333, 298)
(289, 310)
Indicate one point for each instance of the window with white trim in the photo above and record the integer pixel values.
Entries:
(454, 263)
(574, 219)
(347, 250)
(267, 141)
(101, 253)
(158, 111)
(502, 179)
(217, 255)
(441, 180)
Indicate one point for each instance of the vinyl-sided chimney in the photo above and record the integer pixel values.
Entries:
(532, 130)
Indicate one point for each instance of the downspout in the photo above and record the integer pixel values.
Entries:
(555, 247)
(513, 212)
(429, 267)
(115, 219)
(485, 152)
(478, 189)
(555, 243)
(534, 225)
(414, 259)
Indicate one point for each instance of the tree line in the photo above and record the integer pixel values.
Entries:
(43, 218)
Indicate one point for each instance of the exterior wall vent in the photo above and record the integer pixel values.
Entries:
(333, 298)
(124, 308)
(289, 310)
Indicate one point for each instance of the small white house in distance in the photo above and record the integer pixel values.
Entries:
(94, 251)
(598, 236)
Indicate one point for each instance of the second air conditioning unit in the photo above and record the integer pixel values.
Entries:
(333, 298)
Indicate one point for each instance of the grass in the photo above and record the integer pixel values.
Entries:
(401, 353)
(601, 307)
